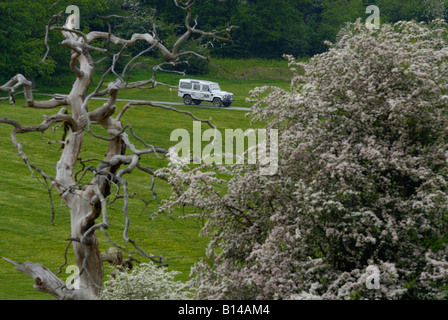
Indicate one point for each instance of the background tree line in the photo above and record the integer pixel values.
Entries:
(267, 29)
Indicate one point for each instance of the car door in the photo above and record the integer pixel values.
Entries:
(196, 92)
(206, 94)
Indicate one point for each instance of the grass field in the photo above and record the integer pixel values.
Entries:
(239, 78)
(25, 220)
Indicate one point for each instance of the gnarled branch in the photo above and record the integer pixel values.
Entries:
(20, 81)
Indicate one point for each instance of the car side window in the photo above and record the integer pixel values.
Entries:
(185, 85)
(197, 86)
(205, 87)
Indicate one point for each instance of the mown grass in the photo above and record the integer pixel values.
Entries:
(272, 70)
(25, 220)
(239, 77)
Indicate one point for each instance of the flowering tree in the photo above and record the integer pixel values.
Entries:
(361, 187)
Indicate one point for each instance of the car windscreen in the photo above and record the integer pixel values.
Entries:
(214, 87)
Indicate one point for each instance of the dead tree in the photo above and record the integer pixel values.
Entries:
(87, 201)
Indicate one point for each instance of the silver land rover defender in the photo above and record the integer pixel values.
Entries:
(196, 91)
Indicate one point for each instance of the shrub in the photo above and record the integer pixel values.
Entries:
(361, 182)
(146, 281)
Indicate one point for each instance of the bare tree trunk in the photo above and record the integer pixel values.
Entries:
(88, 203)
(87, 253)
(84, 205)
(83, 210)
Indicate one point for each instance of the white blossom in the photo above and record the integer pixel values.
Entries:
(146, 281)
(362, 178)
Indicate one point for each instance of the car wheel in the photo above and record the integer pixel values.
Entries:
(217, 102)
(227, 104)
(187, 99)
(197, 102)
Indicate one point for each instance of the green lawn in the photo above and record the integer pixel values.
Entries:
(240, 78)
(25, 220)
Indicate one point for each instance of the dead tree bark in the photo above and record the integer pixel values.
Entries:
(86, 204)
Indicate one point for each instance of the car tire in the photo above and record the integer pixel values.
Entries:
(197, 102)
(217, 102)
(227, 104)
(187, 100)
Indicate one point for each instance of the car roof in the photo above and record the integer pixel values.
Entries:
(199, 81)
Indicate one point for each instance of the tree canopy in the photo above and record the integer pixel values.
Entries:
(361, 186)
(267, 29)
